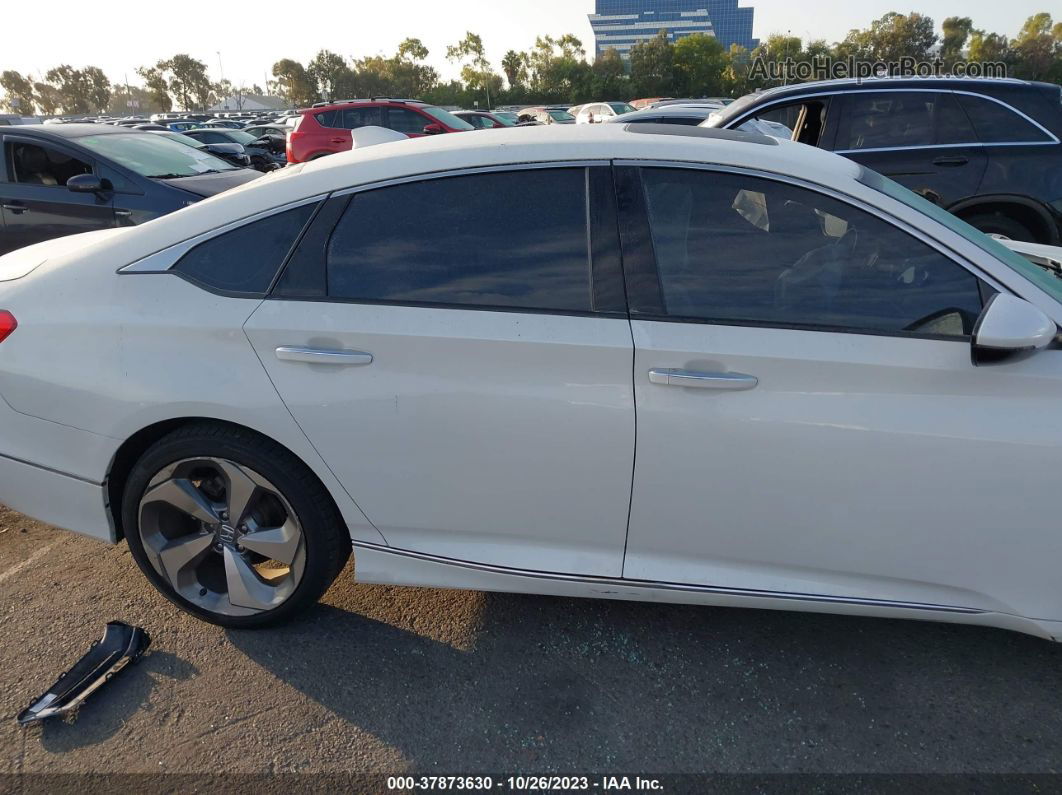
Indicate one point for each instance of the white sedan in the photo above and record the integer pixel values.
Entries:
(636, 362)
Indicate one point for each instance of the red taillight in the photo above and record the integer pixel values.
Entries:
(7, 324)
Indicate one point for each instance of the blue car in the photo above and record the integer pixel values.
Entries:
(61, 179)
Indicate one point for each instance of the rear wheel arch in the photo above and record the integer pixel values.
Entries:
(133, 448)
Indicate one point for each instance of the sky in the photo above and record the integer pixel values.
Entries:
(124, 34)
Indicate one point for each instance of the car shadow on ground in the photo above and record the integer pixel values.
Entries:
(127, 693)
(552, 684)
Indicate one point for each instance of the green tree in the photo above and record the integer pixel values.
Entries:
(652, 66)
(157, 87)
(957, 32)
(293, 83)
(476, 71)
(890, 38)
(47, 98)
(409, 75)
(18, 93)
(989, 47)
(609, 77)
(98, 88)
(515, 64)
(558, 68)
(71, 87)
(699, 63)
(188, 81)
(1038, 49)
(329, 73)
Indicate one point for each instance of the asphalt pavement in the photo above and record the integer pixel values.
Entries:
(387, 679)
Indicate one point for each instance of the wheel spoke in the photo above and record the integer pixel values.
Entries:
(181, 552)
(240, 491)
(246, 588)
(182, 494)
(276, 543)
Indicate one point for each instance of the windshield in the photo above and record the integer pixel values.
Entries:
(505, 119)
(447, 118)
(183, 139)
(1046, 281)
(621, 107)
(561, 115)
(151, 155)
(241, 137)
(732, 109)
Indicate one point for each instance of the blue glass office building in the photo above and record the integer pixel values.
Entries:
(624, 23)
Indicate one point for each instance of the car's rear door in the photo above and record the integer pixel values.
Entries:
(34, 200)
(809, 419)
(923, 139)
(457, 349)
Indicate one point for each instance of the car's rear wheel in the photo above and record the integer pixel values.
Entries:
(231, 527)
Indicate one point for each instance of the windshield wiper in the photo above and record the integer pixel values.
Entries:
(167, 176)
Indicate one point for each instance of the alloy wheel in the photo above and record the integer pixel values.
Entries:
(222, 535)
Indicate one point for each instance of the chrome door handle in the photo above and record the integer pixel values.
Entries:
(734, 382)
(321, 356)
(17, 209)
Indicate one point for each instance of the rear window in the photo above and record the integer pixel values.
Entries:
(996, 123)
(245, 260)
(513, 240)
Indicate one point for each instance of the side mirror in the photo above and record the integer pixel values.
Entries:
(1009, 327)
(433, 129)
(85, 183)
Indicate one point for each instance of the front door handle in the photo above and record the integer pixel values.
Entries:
(321, 356)
(17, 209)
(733, 382)
(957, 160)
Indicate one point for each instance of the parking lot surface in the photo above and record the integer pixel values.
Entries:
(395, 679)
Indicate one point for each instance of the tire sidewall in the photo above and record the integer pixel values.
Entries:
(277, 466)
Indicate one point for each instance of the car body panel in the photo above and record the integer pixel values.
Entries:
(449, 396)
(520, 428)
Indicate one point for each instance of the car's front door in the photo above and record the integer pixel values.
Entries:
(34, 200)
(457, 349)
(922, 139)
(809, 419)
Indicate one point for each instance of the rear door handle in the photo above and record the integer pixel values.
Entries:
(338, 140)
(322, 356)
(733, 382)
(957, 160)
(17, 209)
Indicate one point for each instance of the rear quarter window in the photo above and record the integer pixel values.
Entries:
(243, 261)
(996, 123)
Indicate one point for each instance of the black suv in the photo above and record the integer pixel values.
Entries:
(986, 149)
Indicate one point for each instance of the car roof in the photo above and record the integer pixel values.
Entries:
(693, 111)
(855, 84)
(511, 146)
(72, 130)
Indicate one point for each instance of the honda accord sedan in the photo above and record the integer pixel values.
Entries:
(627, 361)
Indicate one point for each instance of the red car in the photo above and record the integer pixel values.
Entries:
(325, 128)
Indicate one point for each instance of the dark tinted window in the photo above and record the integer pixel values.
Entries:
(887, 119)
(953, 125)
(733, 248)
(246, 259)
(327, 118)
(515, 239)
(996, 123)
(406, 121)
(31, 164)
